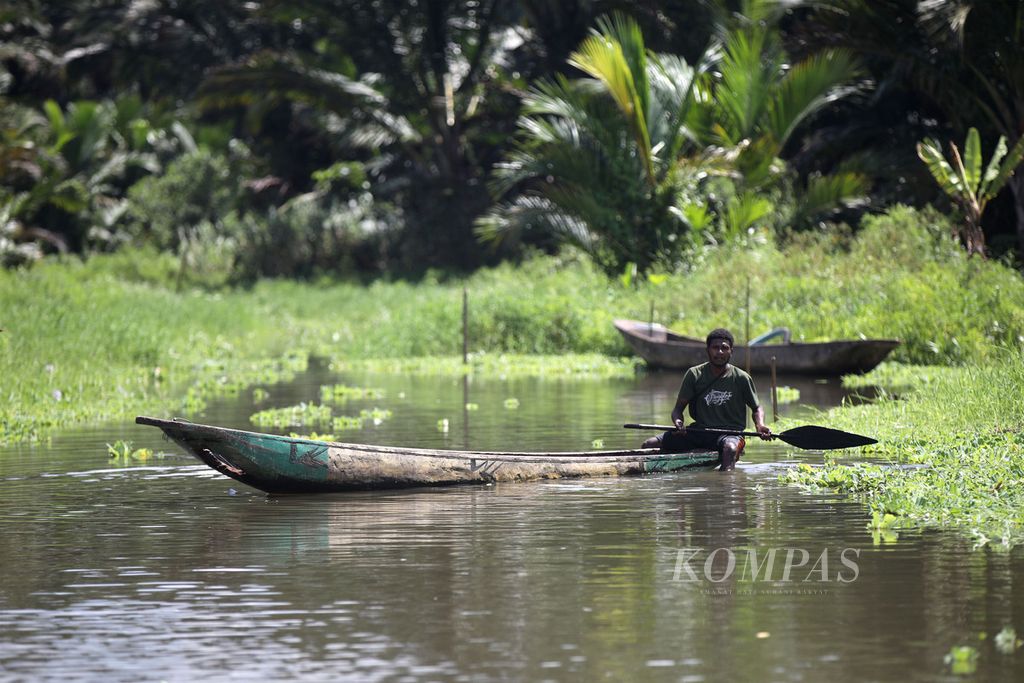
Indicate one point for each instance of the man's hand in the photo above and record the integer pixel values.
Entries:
(764, 432)
(680, 426)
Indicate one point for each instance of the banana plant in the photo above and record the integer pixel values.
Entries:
(965, 184)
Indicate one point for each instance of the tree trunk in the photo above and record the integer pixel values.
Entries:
(975, 240)
(971, 232)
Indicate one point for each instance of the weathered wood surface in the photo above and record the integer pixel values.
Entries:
(662, 348)
(280, 464)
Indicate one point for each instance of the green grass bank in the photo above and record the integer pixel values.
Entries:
(112, 337)
(950, 452)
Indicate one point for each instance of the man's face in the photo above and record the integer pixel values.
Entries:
(719, 352)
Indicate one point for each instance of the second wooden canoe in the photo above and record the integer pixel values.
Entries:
(662, 348)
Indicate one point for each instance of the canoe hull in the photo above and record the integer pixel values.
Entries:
(279, 464)
(660, 348)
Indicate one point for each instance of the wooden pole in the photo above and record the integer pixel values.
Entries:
(465, 326)
(747, 330)
(465, 410)
(775, 394)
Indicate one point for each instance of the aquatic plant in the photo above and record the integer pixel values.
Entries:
(313, 415)
(375, 415)
(787, 395)
(962, 660)
(1007, 641)
(125, 450)
(301, 415)
(344, 422)
(341, 393)
(965, 470)
(313, 436)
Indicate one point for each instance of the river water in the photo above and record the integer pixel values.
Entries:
(165, 570)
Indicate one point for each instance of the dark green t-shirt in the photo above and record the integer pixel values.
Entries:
(722, 402)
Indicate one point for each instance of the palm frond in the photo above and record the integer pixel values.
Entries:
(617, 59)
(809, 86)
(825, 194)
(748, 69)
(672, 84)
(743, 212)
(625, 31)
(278, 76)
(532, 213)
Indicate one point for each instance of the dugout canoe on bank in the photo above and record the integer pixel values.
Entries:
(281, 464)
(662, 348)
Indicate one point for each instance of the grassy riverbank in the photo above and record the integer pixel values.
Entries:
(104, 340)
(952, 444)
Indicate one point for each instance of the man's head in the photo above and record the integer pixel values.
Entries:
(719, 343)
(720, 333)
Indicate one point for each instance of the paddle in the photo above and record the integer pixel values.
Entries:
(809, 437)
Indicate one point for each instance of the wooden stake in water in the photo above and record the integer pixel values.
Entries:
(775, 394)
(747, 331)
(465, 326)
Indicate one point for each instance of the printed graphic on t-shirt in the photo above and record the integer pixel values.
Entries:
(717, 398)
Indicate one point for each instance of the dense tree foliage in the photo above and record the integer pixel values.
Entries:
(940, 68)
(290, 137)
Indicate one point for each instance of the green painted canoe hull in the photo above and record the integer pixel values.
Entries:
(280, 464)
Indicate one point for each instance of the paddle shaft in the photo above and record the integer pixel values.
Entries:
(808, 436)
(635, 425)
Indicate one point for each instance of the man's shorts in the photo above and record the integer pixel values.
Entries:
(676, 442)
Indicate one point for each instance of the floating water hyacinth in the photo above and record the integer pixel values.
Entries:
(344, 422)
(962, 659)
(259, 395)
(1007, 641)
(123, 450)
(511, 403)
(787, 395)
(313, 436)
(376, 415)
(472, 406)
(442, 425)
(597, 443)
(302, 415)
(340, 393)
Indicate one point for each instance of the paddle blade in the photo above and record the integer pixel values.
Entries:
(823, 438)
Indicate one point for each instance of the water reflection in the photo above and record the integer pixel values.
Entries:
(170, 571)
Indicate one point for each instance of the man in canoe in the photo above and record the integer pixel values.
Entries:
(717, 394)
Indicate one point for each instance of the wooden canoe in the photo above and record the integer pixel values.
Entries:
(662, 348)
(281, 464)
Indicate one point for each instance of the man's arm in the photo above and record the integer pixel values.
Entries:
(677, 414)
(683, 400)
(759, 425)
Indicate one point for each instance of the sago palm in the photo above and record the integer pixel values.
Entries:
(756, 100)
(597, 159)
